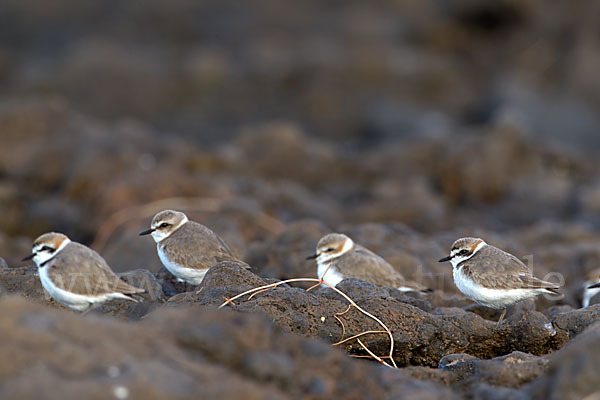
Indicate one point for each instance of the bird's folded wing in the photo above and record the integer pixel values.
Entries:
(229, 257)
(85, 272)
(531, 282)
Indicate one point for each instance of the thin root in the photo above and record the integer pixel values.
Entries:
(375, 356)
(229, 301)
(260, 291)
(386, 330)
(345, 311)
(363, 356)
(342, 324)
(337, 317)
(313, 286)
(357, 336)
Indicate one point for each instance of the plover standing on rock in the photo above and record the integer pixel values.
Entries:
(186, 248)
(75, 275)
(338, 257)
(492, 277)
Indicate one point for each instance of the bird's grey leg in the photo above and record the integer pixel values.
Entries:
(90, 308)
(501, 316)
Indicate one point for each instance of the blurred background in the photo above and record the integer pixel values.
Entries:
(405, 123)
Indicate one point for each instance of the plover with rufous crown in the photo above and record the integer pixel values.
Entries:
(591, 287)
(75, 275)
(492, 277)
(186, 248)
(338, 257)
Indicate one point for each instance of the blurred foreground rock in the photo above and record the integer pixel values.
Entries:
(421, 336)
(573, 370)
(278, 342)
(181, 353)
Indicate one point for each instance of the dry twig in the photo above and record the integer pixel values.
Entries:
(337, 317)
(357, 336)
(375, 356)
(366, 356)
(351, 302)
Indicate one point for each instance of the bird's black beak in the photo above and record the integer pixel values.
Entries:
(594, 286)
(29, 257)
(146, 232)
(448, 258)
(312, 257)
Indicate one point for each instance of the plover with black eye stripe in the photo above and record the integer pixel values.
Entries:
(186, 248)
(75, 275)
(338, 257)
(591, 287)
(492, 277)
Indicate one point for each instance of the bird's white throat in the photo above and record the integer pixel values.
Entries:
(159, 235)
(43, 256)
(456, 259)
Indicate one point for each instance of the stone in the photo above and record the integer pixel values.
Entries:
(421, 338)
(573, 370)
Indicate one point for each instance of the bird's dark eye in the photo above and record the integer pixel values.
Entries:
(329, 250)
(48, 249)
(462, 252)
(164, 225)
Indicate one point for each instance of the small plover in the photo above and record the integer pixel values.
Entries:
(591, 287)
(492, 277)
(75, 275)
(338, 257)
(186, 248)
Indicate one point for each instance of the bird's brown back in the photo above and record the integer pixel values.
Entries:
(195, 246)
(361, 263)
(496, 269)
(79, 269)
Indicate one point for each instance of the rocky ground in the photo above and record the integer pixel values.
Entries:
(404, 126)
(282, 343)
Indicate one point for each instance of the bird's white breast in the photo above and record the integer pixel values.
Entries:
(191, 275)
(589, 293)
(493, 298)
(75, 301)
(406, 289)
(332, 277)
